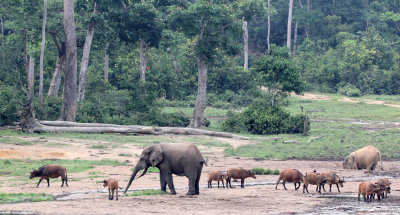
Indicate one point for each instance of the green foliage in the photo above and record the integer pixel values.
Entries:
(7, 198)
(349, 90)
(234, 123)
(10, 104)
(262, 171)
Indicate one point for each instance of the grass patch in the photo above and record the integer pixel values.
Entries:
(125, 155)
(101, 146)
(209, 142)
(22, 168)
(262, 171)
(6, 198)
(334, 108)
(146, 193)
(149, 170)
(339, 139)
(14, 141)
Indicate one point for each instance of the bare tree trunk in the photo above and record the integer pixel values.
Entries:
(42, 54)
(289, 25)
(106, 63)
(143, 48)
(269, 25)
(197, 120)
(85, 58)
(174, 62)
(30, 76)
(26, 55)
(55, 81)
(308, 10)
(295, 39)
(2, 38)
(68, 111)
(246, 45)
(85, 61)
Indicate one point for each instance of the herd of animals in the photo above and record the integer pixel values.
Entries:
(185, 159)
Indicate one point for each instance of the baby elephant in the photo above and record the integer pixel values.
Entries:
(239, 173)
(50, 171)
(112, 185)
(315, 179)
(290, 175)
(217, 176)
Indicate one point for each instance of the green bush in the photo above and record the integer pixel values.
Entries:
(262, 118)
(259, 170)
(277, 172)
(349, 90)
(234, 123)
(9, 105)
(269, 172)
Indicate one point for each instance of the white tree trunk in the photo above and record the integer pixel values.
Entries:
(197, 120)
(289, 25)
(62, 126)
(143, 49)
(246, 45)
(295, 39)
(2, 38)
(56, 80)
(30, 75)
(68, 111)
(85, 61)
(106, 62)
(269, 25)
(42, 53)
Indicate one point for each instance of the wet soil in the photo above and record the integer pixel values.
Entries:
(86, 195)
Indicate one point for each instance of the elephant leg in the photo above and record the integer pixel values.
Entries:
(192, 184)
(197, 184)
(170, 182)
(163, 183)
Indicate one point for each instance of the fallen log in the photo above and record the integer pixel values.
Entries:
(65, 127)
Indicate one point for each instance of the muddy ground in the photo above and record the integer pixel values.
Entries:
(85, 195)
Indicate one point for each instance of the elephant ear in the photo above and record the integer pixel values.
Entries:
(156, 155)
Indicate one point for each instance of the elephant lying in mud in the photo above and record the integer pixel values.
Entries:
(181, 159)
(365, 158)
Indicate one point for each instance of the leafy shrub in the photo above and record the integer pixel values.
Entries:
(234, 123)
(277, 172)
(178, 119)
(269, 172)
(350, 90)
(9, 105)
(259, 171)
(261, 118)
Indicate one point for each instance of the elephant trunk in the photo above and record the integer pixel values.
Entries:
(144, 172)
(135, 171)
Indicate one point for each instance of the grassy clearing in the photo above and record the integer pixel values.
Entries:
(338, 140)
(208, 142)
(22, 168)
(209, 111)
(146, 193)
(110, 138)
(334, 108)
(6, 198)
(14, 141)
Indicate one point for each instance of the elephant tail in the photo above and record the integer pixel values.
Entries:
(380, 158)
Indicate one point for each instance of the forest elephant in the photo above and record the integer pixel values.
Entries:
(365, 158)
(181, 159)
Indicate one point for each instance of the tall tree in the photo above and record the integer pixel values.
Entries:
(106, 62)
(246, 45)
(211, 26)
(42, 54)
(68, 111)
(56, 80)
(269, 25)
(289, 25)
(85, 57)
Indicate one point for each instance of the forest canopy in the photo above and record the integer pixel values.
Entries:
(135, 57)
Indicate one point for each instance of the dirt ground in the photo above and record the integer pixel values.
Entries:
(86, 195)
